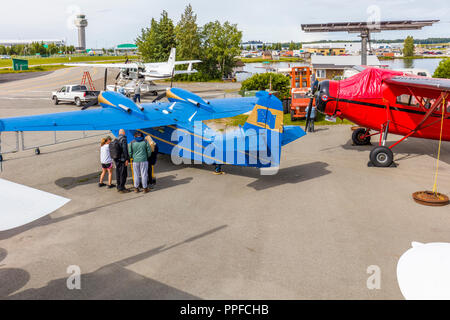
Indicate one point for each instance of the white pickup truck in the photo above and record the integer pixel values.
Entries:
(78, 94)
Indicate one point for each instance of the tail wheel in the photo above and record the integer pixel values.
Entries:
(55, 100)
(382, 157)
(359, 137)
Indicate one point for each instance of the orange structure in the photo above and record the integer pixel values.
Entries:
(300, 85)
(87, 80)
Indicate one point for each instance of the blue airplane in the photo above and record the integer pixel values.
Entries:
(178, 129)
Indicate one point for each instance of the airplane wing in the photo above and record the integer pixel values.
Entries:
(178, 63)
(119, 112)
(104, 65)
(421, 82)
(176, 72)
(96, 119)
(22, 205)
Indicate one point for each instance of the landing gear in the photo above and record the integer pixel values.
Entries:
(361, 137)
(382, 157)
(218, 169)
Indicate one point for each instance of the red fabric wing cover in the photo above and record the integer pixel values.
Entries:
(366, 84)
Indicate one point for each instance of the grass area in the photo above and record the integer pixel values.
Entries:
(282, 59)
(320, 121)
(34, 69)
(73, 59)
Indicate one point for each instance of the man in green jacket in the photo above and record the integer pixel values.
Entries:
(139, 150)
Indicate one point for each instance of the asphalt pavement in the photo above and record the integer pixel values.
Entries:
(310, 232)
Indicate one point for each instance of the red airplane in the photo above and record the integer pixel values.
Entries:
(383, 101)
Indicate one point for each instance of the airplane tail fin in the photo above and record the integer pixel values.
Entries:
(172, 58)
(266, 121)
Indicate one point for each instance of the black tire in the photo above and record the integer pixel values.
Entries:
(77, 102)
(357, 135)
(382, 157)
(55, 100)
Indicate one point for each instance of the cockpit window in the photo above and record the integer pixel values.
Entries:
(407, 100)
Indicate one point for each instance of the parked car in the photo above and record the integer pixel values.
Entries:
(78, 94)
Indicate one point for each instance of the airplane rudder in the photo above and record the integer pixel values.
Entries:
(267, 113)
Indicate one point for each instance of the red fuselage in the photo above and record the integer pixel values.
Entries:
(367, 100)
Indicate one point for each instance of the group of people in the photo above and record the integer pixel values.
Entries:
(141, 152)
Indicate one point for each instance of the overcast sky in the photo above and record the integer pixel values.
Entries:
(112, 22)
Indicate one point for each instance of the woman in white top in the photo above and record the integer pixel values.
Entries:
(107, 162)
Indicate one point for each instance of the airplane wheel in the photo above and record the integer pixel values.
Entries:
(382, 157)
(358, 135)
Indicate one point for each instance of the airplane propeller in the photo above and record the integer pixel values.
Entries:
(314, 88)
(89, 104)
(160, 96)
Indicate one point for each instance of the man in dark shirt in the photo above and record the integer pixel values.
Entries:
(122, 163)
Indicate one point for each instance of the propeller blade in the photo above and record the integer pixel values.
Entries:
(89, 104)
(171, 79)
(159, 97)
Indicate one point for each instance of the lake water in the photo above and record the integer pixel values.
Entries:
(428, 64)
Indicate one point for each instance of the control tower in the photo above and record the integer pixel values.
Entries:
(81, 23)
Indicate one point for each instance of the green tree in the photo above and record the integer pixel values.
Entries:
(147, 42)
(166, 36)
(262, 81)
(52, 49)
(220, 46)
(187, 36)
(443, 70)
(155, 42)
(408, 47)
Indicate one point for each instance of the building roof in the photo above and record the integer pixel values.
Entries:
(341, 62)
(129, 46)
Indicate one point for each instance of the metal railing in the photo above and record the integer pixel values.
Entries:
(19, 143)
